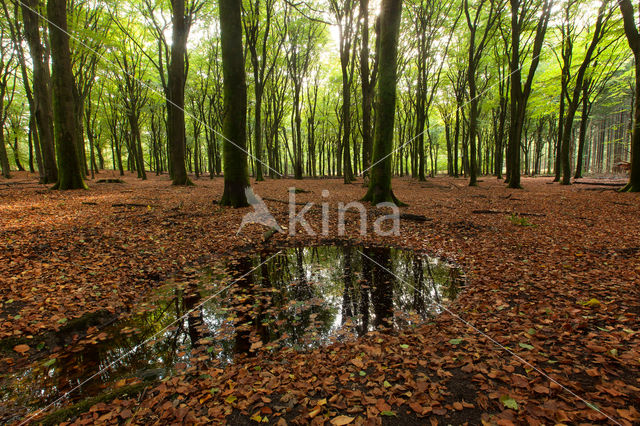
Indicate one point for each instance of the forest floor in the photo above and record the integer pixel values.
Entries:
(553, 277)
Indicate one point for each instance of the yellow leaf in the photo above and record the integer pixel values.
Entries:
(591, 303)
(315, 412)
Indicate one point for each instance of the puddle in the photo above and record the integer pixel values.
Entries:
(300, 298)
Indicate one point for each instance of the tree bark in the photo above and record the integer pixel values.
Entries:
(631, 32)
(175, 82)
(69, 167)
(380, 181)
(236, 177)
(41, 91)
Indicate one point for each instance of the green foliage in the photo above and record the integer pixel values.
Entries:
(520, 220)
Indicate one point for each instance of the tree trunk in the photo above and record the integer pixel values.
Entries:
(69, 167)
(634, 42)
(176, 80)
(236, 178)
(583, 129)
(367, 88)
(380, 181)
(41, 91)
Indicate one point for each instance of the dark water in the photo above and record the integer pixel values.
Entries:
(300, 298)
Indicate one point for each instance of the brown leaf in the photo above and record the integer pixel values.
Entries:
(342, 420)
(21, 349)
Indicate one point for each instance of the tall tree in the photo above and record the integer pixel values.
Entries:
(134, 96)
(380, 180)
(263, 60)
(182, 19)
(302, 39)
(480, 26)
(573, 97)
(429, 18)
(368, 75)
(236, 176)
(524, 14)
(633, 38)
(41, 89)
(7, 69)
(66, 136)
(344, 13)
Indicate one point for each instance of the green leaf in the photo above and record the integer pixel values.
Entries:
(62, 321)
(386, 384)
(531, 331)
(404, 346)
(526, 346)
(455, 341)
(362, 373)
(509, 402)
(50, 362)
(231, 399)
(388, 413)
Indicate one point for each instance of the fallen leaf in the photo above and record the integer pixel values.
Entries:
(21, 349)
(341, 420)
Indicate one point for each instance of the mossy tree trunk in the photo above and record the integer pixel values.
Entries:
(380, 174)
(236, 176)
(69, 167)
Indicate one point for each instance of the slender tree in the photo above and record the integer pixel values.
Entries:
(523, 13)
(7, 69)
(633, 38)
(479, 33)
(573, 98)
(344, 13)
(368, 75)
(263, 60)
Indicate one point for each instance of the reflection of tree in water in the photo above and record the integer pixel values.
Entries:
(242, 303)
(300, 299)
(382, 285)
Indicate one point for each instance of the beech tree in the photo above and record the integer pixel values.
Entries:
(523, 15)
(236, 176)
(42, 89)
(633, 38)
(573, 97)
(380, 180)
(66, 135)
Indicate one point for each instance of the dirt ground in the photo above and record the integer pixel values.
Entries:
(547, 330)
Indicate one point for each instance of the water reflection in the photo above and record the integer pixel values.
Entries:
(301, 298)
